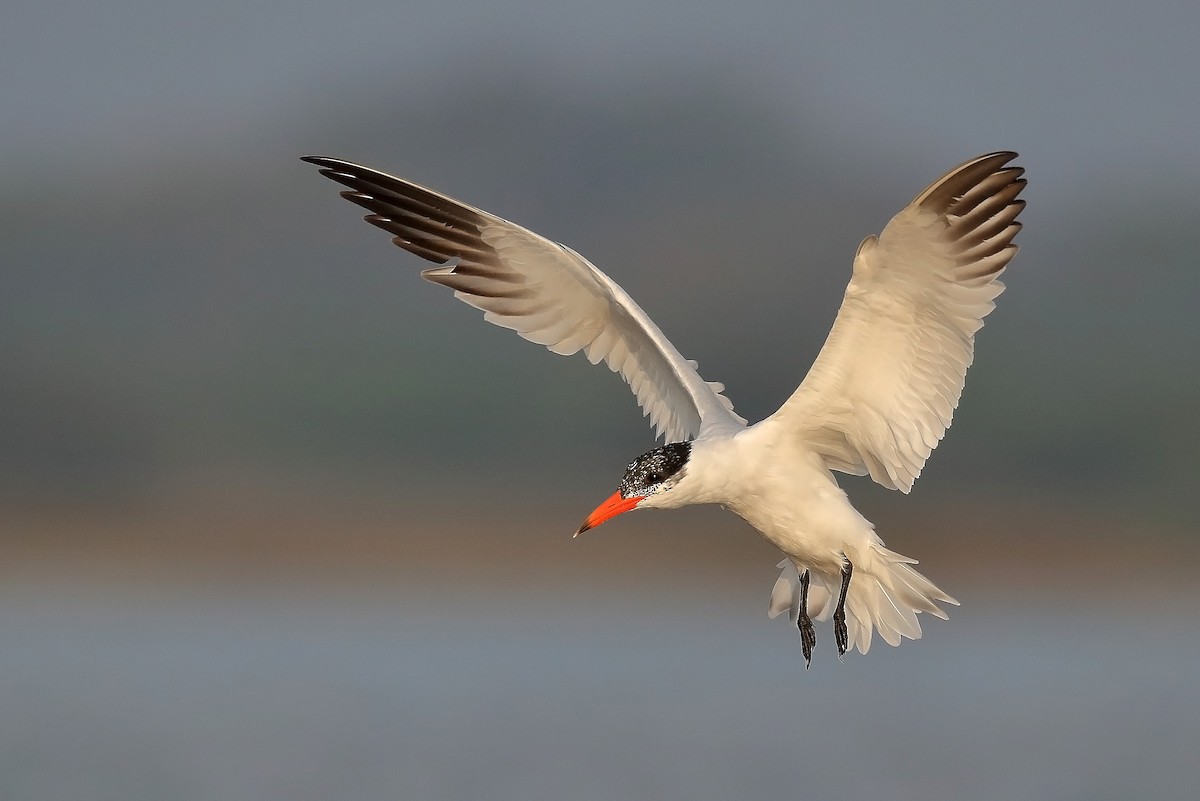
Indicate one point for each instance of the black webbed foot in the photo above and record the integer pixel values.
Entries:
(808, 634)
(839, 614)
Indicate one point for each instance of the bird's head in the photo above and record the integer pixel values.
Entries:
(648, 481)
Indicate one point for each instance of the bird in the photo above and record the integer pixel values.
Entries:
(876, 401)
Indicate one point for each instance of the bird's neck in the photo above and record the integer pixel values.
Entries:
(711, 474)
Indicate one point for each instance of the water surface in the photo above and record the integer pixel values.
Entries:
(273, 694)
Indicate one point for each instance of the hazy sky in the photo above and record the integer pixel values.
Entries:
(1077, 86)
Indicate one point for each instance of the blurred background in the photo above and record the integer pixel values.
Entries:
(279, 520)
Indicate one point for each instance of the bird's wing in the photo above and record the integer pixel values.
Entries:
(544, 291)
(881, 393)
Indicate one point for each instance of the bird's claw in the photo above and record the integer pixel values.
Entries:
(808, 638)
(808, 634)
(840, 635)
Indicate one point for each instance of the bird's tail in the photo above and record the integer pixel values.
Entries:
(886, 595)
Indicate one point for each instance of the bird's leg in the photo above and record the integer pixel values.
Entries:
(839, 614)
(808, 635)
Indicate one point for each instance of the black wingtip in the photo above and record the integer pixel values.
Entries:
(965, 177)
(327, 162)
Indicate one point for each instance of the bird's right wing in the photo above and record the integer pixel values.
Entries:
(544, 291)
(883, 388)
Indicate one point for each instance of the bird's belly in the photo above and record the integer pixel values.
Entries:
(812, 524)
(788, 494)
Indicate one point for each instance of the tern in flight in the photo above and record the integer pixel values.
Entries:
(876, 401)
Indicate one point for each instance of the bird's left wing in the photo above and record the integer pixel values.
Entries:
(544, 291)
(881, 393)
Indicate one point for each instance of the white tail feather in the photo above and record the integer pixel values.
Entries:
(886, 595)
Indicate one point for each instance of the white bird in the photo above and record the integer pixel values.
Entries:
(876, 401)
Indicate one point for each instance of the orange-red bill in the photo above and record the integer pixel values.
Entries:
(611, 507)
